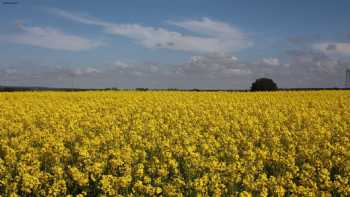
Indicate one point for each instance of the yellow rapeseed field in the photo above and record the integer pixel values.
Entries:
(175, 144)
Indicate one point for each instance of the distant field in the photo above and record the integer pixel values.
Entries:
(175, 143)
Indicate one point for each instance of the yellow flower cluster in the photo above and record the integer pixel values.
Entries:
(175, 144)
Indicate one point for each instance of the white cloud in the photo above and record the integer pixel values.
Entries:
(234, 58)
(77, 18)
(88, 70)
(213, 66)
(237, 71)
(195, 58)
(77, 71)
(269, 62)
(213, 28)
(51, 38)
(218, 37)
(120, 64)
(342, 48)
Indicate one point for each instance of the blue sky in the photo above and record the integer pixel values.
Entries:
(174, 44)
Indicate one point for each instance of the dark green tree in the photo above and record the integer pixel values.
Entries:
(264, 84)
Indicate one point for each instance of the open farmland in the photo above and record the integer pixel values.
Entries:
(175, 143)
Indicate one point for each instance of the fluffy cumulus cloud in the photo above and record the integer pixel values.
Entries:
(211, 36)
(213, 66)
(342, 48)
(50, 38)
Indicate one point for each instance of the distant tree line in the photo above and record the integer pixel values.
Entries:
(261, 84)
